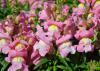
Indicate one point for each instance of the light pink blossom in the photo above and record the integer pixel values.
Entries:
(85, 45)
(66, 48)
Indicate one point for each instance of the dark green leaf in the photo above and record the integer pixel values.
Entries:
(42, 61)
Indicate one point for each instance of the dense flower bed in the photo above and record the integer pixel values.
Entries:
(50, 35)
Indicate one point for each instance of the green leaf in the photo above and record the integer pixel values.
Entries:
(65, 63)
(61, 67)
(97, 68)
(42, 61)
(26, 6)
(54, 68)
(49, 69)
(5, 65)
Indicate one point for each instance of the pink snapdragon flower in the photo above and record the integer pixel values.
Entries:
(43, 45)
(80, 10)
(19, 45)
(84, 33)
(18, 63)
(5, 40)
(65, 45)
(85, 45)
(53, 28)
(17, 55)
(18, 60)
(46, 13)
(66, 48)
(27, 36)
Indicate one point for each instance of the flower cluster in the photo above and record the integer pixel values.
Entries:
(26, 43)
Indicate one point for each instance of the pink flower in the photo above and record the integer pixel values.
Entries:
(18, 55)
(43, 15)
(80, 10)
(46, 13)
(43, 45)
(85, 44)
(65, 9)
(53, 28)
(5, 40)
(29, 37)
(66, 48)
(84, 33)
(18, 60)
(19, 45)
